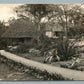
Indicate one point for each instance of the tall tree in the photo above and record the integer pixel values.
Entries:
(35, 12)
(67, 15)
(77, 19)
(64, 14)
(2, 28)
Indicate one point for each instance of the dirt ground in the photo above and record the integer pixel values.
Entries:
(6, 73)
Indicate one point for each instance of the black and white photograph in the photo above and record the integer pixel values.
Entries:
(41, 42)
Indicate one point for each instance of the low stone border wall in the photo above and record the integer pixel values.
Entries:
(52, 72)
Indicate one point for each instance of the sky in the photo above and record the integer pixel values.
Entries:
(6, 11)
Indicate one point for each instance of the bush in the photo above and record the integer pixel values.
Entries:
(3, 44)
(23, 47)
(46, 45)
(66, 49)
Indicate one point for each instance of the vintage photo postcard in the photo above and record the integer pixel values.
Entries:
(41, 42)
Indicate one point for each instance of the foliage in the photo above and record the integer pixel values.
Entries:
(46, 44)
(2, 28)
(3, 44)
(23, 47)
(66, 49)
(67, 15)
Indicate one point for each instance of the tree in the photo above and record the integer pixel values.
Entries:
(2, 28)
(77, 19)
(64, 14)
(34, 12)
(3, 42)
(68, 16)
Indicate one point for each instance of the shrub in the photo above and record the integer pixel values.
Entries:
(23, 47)
(46, 44)
(66, 49)
(3, 44)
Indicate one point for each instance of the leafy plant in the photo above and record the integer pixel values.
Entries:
(66, 49)
(3, 44)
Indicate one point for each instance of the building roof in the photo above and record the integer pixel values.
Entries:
(53, 27)
(20, 29)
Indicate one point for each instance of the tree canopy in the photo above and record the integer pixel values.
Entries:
(67, 15)
(2, 28)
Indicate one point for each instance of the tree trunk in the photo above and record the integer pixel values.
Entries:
(38, 33)
(66, 27)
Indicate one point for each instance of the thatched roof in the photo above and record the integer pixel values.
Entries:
(20, 29)
(53, 27)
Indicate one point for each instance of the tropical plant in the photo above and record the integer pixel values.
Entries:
(66, 49)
